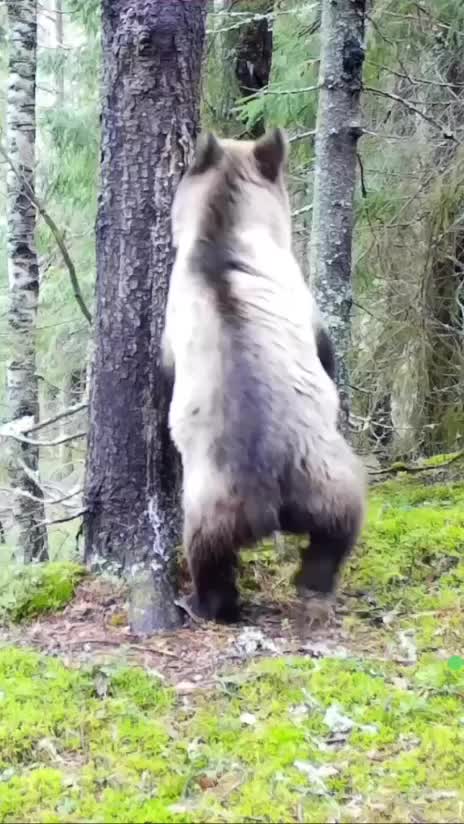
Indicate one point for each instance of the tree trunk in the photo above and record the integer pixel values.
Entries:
(240, 63)
(23, 274)
(59, 34)
(152, 55)
(337, 133)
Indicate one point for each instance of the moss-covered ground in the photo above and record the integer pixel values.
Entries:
(375, 734)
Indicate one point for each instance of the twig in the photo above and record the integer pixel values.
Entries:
(56, 234)
(414, 80)
(71, 410)
(303, 210)
(106, 642)
(301, 136)
(48, 501)
(396, 97)
(55, 442)
(361, 175)
(267, 91)
(65, 518)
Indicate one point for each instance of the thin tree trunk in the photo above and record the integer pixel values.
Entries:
(23, 273)
(337, 133)
(59, 33)
(152, 59)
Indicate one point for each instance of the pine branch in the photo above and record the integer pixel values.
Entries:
(56, 234)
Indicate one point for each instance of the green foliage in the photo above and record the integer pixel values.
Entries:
(26, 592)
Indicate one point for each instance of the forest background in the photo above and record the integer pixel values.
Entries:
(260, 68)
(357, 721)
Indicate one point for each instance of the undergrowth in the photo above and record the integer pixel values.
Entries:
(375, 736)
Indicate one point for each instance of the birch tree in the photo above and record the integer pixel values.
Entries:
(23, 274)
(152, 56)
(337, 132)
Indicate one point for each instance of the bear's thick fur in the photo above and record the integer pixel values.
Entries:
(254, 408)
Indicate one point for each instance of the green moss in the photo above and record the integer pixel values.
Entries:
(260, 747)
(28, 591)
(414, 537)
(366, 738)
(438, 460)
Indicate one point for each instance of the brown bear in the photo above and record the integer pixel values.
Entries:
(254, 408)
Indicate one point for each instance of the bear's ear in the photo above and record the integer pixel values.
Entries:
(208, 153)
(271, 153)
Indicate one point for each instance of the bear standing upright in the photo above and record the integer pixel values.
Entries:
(254, 408)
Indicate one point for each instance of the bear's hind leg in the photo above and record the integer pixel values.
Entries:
(321, 561)
(332, 537)
(316, 578)
(213, 561)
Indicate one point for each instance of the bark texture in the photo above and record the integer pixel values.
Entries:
(337, 133)
(23, 274)
(152, 53)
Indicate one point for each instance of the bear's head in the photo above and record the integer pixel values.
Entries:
(232, 187)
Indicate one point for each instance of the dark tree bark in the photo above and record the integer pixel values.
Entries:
(152, 54)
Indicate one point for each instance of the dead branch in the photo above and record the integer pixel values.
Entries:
(48, 501)
(9, 433)
(415, 80)
(71, 410)
(402, 467)
(267, 91)
(65, 518)
(56, 234)
(294, 138)
(396, 97)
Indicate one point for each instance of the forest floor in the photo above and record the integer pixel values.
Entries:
(359, 721)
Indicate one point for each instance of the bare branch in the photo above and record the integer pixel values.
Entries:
(267, 91)
(381, 93)
(415, 80)
(56, 234)
(66, 413)
(8, 432)
(48, 501)
(72, 517)
(402, 467)
(361, 175)
(295, 138)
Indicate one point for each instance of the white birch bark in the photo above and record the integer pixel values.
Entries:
(23, 272)
(337, 132)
